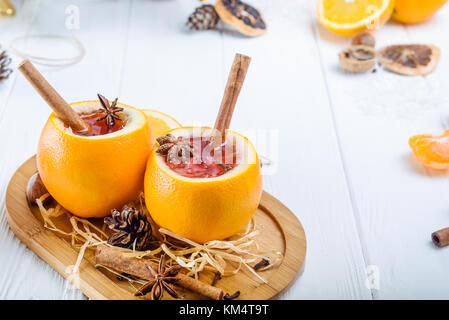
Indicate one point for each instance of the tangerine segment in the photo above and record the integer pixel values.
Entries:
(431, 151)
(89, 176)
(160, 122)
(203, 209)
(413, 11)
(348, 18)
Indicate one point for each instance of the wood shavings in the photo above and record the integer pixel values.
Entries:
(225, 257)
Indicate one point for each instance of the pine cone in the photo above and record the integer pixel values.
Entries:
(130, 226)
(203, 18)
(4, 63)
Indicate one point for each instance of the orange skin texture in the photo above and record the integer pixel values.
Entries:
(202, 211)
(431, 151)
(90, 177)
(414, 11)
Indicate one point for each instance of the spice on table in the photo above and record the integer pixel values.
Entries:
(357, 58)
(233, 296)
(262, 263)
(5, 61)
(203, 18)
(36, 189)
(176, 149)
(132, 228)
(162, 280)
(121, 262)
(411, 59)
(217, 276)
(110, 111)
(364, 39)
(441, 237)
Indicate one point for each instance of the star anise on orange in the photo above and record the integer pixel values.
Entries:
(176, 149)
(162, 280)
(110, 111)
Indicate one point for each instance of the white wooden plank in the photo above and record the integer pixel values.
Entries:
(183, 74)
(285, 91)
(169, 68)
(397, 202)
(103, 32)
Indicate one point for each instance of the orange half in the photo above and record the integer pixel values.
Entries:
(348, 18)
(160, 122)
(203, 209)
(89, 176)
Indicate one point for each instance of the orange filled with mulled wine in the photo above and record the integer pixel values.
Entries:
(92, 171)
(203, 183)
(200, 191)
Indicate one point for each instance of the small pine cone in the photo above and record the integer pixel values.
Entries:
(203, 18)
(130, 226)
(5, 61)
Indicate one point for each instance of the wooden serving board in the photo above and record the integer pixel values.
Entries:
(280, 230)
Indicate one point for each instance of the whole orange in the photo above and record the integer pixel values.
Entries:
(203, 209)
(89, 176)
(413, 11)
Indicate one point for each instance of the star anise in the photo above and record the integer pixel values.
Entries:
(110, 111)
(162, 278)
(176, 149)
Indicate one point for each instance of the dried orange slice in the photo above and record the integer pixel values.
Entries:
(160, 122)
(431, 151)
(203, 209)
(409, 59)
(89, 176)
(347, 18)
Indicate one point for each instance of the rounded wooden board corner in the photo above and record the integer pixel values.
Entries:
(286, 233)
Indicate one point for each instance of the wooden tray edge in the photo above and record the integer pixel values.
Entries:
(34, 236)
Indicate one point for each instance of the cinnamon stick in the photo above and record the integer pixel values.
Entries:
(53, 99)
(233, 86)
(118, 260)
(441, 237)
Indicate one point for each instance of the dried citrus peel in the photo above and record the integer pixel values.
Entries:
(410, 59)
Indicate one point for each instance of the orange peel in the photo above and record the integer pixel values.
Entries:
(432, 151)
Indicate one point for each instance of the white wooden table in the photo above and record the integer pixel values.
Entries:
(343, 162)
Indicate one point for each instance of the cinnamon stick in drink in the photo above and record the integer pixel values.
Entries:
(53, 99)
(120, 261)
(233, 86)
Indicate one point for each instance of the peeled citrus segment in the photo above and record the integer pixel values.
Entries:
(160, 122)
(431, 151)
(203, 209)
(90, 175)
(348, 17)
